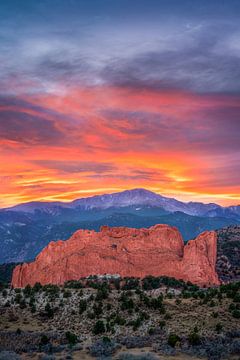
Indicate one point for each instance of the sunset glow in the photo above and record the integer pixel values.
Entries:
(80, 119)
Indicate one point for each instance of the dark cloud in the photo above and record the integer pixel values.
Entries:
(28, 129)
(134, 174)
(76, 166)
(204, 64)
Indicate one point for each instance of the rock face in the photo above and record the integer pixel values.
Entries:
(156, 251)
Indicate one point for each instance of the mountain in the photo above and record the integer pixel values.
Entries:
(127, 198)
(129, 252)
(26, 229)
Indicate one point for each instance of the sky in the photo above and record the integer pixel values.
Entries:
(100, 96)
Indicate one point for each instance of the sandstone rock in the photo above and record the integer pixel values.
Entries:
(156, 251)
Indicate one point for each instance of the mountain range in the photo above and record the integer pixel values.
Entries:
(26, 228)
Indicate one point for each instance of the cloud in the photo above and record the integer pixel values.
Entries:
(196, 65)
(76, 166)
(28, 129)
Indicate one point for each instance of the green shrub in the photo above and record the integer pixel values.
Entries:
(67, 294)
(82, 306)
(18, 331)
(162, 324)
(33, 309)
(44, 340)
(71, 338)
(218, 327)
(173, 339)
(27, 291)
(236, 314)
(49, 311)
(194, 338)
(4, 293)
(37, 287)
(99, 327)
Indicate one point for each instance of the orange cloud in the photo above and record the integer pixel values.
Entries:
(104, 139)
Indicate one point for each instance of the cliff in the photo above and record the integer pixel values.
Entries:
(156, 251)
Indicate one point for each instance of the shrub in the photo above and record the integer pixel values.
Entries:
(37, 287)
(67, 294)
(102, 294)
(167, 316)
(22, 304)
(98, 309)
(18, 331)
(162, 324)
(137, 323)
(218, 327)
(99, 327)
(73, 284)
(18, 298)
(82, 306)
(33, 309)
(27, 291)
(130, 283)
(236, 314)
(173, 339)
(44, 340)
(49, 311)
(4, 293)
(194, 338)
(119, 320)
(71, 338)
(151, 331)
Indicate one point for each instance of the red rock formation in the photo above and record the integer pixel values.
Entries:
(156, 251)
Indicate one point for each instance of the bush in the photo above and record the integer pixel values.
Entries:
(194, 338)
(44, 340)
(67, 294)
(37, 287)
(236, 314)
(98, 309)
(4, 293)
(130, 283)
(22, 304)
(162, 324)
(137, 323)
(49, 311)
(173, 339)
(18, 331)
(73, 284)
(71, 338)
(33, 309)
(27, 291)
(178, 301)
(99, 327)
(218, 327)
(82, 306)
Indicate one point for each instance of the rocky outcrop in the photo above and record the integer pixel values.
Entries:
(156, 251)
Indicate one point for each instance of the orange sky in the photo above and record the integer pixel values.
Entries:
(102, 139)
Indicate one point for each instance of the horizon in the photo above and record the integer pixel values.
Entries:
(110, 193)
(103, 96)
